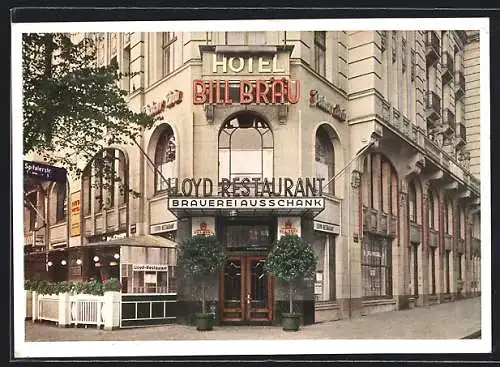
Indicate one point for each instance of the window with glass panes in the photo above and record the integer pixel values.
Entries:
(246, 148)
(160, 280)
(325, 158)
(60, 202)
(376, 266)
(165, 157)
(319, 52)
(167, 45)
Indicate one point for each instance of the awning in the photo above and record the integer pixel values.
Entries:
(146, 240)
(246, 206)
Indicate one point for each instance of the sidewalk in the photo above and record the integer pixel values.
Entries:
(454, 320)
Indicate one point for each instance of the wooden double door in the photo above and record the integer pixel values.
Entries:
(246, 291)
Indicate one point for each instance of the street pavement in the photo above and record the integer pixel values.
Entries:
(454, 320)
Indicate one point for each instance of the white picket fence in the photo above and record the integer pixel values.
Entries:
(48, 308)
(81, 309)
(87, 310)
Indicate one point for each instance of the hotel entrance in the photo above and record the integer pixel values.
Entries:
(246, 290)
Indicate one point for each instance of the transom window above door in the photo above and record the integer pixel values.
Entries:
(245, 147)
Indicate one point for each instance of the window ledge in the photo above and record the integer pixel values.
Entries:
(326, 305)
(379, 301)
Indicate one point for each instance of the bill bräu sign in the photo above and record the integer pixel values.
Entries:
(274, 88)
(246, 193)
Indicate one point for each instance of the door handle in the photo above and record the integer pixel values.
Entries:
(248, 298)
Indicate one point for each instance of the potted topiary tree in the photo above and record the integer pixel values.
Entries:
(291, 260)
(201, 256)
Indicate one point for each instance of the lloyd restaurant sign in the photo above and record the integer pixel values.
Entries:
(245, 91)
(318, 100)
(303, 193)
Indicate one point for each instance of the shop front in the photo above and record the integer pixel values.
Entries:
(242, 293)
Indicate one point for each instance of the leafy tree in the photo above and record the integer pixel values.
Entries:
(201, 256)
(73, 108)
(291, 259)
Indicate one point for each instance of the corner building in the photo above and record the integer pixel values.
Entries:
(392, 116)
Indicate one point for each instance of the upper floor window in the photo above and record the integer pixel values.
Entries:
(32, 203)
(105, 181)
(325, 158)
(412, 202)
(61, 202)
(476, 226)
(168, 41)
(164, 159)
(461, 222)
(380, 184)
(245, 147)
(431, 210)
(448, 217)
(319, 52)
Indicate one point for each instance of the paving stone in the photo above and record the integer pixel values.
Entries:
(454, 320)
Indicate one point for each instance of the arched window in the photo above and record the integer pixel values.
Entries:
(383, 185)
(325, 158)
(376, 261)
(430, 204)
(412, 202)
(105, 179)
(246, 147)
(165, 155)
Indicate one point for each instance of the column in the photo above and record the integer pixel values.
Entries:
(355, 279)
(424, 268)
(401, 268)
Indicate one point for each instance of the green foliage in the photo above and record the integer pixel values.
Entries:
(201, 255)
(92, 287)
(112, 284)
(72, 108)
(291, 259)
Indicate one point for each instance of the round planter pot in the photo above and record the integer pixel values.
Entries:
(204, 321)
(290, 321)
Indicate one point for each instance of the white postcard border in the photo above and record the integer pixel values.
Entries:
(24, 349)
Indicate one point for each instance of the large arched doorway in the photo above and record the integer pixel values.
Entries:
(246, 151)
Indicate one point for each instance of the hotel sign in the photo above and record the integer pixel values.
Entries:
(245, 186)
(246, 91)
(249, 203)
(245, 193)
(318, 100)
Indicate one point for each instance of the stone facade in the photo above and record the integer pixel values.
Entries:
(412, 109)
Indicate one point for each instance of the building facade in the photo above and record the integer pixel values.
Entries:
(364, 143)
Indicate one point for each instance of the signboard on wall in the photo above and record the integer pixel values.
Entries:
(75, 213)
(288, 226)
(163, 227)
(149, 267)
(326, 227)
(318, 288)
(203, 226)
(44, 171)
